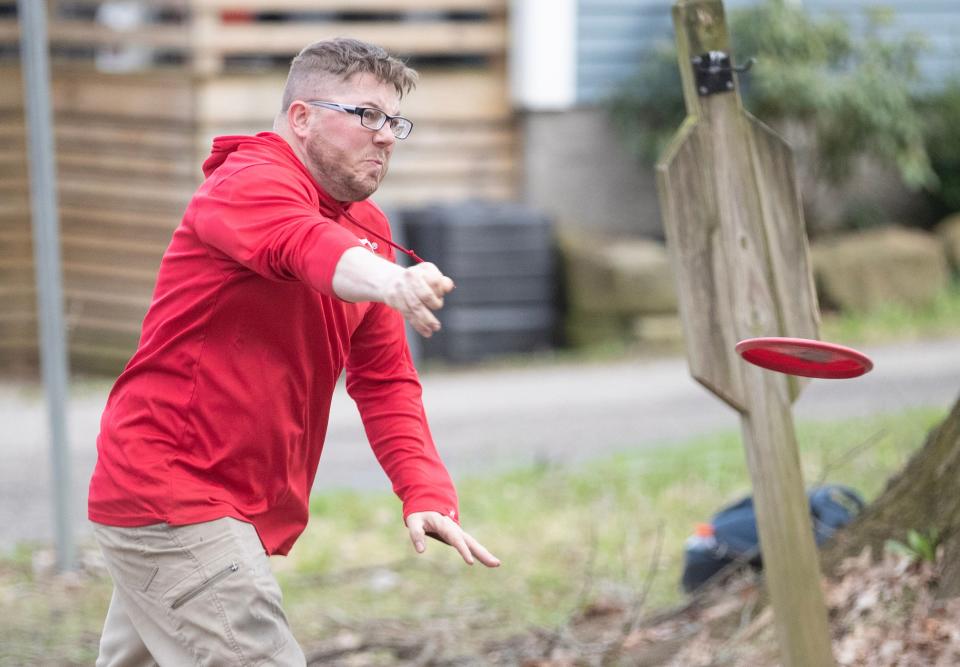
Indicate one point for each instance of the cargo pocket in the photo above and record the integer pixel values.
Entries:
(229, 611)
(204, 585)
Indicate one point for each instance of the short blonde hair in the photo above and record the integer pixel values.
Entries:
(341, 58)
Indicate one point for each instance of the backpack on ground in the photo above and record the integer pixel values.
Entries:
(730, 539)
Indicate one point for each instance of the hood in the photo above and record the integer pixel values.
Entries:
(265, 143)
(270, 147)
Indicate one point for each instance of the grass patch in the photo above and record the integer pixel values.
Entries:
(567, 536)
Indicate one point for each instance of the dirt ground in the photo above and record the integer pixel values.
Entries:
(882, 614)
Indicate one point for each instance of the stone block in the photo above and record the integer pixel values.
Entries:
(860, 271)
(623, 276)
(949, 233)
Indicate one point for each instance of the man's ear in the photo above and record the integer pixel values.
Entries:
(298, 118)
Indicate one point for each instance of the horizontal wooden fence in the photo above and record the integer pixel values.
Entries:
(130, 145)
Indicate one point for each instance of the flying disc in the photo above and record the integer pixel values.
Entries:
(805, 357)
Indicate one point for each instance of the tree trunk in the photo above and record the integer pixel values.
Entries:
(924, 496)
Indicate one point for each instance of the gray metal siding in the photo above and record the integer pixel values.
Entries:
(611, 35)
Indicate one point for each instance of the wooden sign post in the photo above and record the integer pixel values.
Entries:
(735, 231)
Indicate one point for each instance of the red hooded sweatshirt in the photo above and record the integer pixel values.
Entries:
(223, 409)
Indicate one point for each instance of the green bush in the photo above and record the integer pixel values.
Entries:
(852, 91)
(941, 110)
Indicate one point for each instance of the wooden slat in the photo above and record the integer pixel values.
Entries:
(147, 197)
(11, 121)
(130, 225)
(13, 152)
(314, 5)
(406, 38)
(124, 167)
(158, 96)
(21, 327)
(95, 359)
(113, 279)
(59, 5)
(16, 245)
(12, 165)
(13, 142)
(356, 5)
(121, 305)
(14, 211)
(19, 299)
(94, 329)
(111, 285)
(9, 30)
(85, 33)
(11, 92)
(105, 316)
(71, 131)
(144, 261)
(14, 190)
(16, 272)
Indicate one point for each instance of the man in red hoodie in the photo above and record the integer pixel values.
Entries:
(280, 277)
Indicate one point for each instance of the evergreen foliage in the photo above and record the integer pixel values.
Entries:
(857, 91)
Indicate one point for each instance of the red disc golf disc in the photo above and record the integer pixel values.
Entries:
(805, 357)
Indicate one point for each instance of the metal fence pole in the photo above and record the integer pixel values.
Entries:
(46, 251)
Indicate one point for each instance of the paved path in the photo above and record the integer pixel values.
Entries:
(489, 419)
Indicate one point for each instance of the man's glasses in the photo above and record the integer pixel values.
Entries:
(370, 118)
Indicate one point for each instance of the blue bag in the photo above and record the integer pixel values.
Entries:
(731, 535)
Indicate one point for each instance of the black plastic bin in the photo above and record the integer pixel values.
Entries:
(501, 257)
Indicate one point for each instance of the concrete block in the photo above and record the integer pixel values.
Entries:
(622, 275)
(948, 232)
(860, 271)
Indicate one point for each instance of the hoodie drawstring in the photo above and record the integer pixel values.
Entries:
(409, 253)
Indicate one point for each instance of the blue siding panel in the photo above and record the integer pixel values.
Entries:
(611, 35)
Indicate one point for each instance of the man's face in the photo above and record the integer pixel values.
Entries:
(347, 159)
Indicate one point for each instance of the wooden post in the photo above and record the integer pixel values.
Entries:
(735, 231)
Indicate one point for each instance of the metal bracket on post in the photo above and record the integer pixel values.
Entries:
(713, 72)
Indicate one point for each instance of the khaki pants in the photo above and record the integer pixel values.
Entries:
(192, 595)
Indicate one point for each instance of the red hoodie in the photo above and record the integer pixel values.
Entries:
(223, 409)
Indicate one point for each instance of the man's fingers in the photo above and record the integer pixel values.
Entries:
(466, 545)
(417, 314)
(444, 529)
(443, 286)
(424, 322)
(432, 278)
(429, 297)
(415, 527)
(430, 287)
(481, 552)
(455, 539)
(419, 291)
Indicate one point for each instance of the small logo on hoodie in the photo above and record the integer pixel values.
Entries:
(369, 244)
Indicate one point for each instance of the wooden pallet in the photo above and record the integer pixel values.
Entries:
(208, 34)
(130, 146)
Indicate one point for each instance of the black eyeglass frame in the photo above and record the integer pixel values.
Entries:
(359, 111)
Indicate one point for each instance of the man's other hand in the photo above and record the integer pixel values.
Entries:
(445, 529)
(416, 292)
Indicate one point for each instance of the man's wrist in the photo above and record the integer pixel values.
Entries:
(361, 275)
